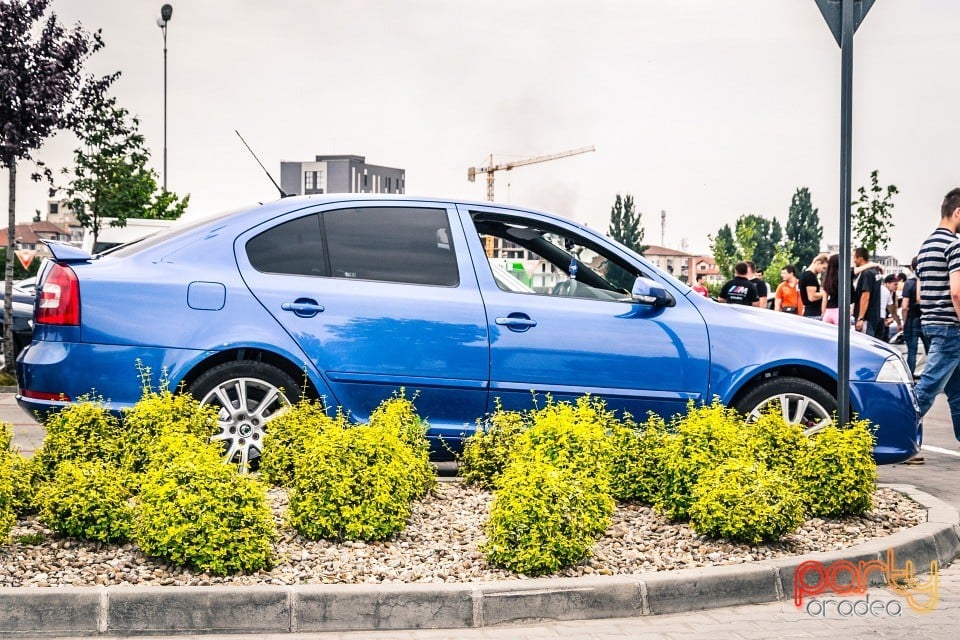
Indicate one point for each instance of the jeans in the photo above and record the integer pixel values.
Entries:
(911, 335)
(942, 373)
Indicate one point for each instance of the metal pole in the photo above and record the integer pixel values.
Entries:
(846, 144)
(164, 105)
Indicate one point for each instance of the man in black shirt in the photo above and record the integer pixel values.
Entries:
(810, 292)
(758, 283)
(739, 290)
(866, 298)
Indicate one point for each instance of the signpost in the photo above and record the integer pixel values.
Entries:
(843, 17)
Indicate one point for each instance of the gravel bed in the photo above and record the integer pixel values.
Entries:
(440, 544)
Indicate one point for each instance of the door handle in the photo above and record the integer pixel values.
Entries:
(303, 307)
(519, 322)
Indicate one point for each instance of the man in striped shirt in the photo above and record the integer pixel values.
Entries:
(938, 270)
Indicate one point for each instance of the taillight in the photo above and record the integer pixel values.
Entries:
(59, 297)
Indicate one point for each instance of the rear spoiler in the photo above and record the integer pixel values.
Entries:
(63, 252)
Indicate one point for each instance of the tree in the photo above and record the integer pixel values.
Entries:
(626, 229)
(40, 73)
(874, 217)
(804, 232)
(110, 174)
(724, 251)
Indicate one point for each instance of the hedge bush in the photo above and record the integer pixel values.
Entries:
(89, 500)
(8, 516)
(838, 475)
(777, 443)
(84, 431)
(26, 481)
(485, 453)
(545, 516)
(287, 436)
(353, 484)
(699, 441)
(570, 435)
(745, 501)
(199, 511)
(156, 414)
(399, 415)
(637, 460)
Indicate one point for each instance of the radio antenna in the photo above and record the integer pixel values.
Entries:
(282, 194)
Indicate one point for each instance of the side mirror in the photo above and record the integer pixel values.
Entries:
(646, 291)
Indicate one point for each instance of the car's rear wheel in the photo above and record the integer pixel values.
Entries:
(248, 395)
(800, 402)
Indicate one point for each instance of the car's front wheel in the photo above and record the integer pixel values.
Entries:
(800, 402)
(247, 395)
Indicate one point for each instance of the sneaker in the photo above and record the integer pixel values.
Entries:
(915, 460)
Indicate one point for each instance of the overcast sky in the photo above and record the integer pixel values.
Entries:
(707, 109)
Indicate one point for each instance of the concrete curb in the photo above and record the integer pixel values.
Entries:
(92, 611)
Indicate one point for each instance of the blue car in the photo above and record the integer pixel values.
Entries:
(349, 297)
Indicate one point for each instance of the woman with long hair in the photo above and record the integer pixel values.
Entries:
(831, 290)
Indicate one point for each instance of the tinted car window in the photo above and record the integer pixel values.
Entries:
(294, 247)
(391, 244)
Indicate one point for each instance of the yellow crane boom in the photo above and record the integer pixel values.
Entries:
(491, 168)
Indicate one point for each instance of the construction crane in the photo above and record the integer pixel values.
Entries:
(491, 168)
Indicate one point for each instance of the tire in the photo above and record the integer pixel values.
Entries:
(802, 402)
(247, 394)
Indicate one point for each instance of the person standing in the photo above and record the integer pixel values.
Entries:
(890, 307)
(739, 289)
(699, 287)
(938, 269)
(787, 297)
(910, 312)
(830, 302)
(759, 284)
(811, 295)
(866, 299)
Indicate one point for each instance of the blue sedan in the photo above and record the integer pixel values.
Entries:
(348, 297)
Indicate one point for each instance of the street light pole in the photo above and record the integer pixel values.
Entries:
(166, 12)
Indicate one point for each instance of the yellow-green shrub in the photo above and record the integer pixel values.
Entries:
(743, 500)
(545, 516)
(570, 435)
(637, 460)
(838, 474)
(198, 511)
(8, 516)
(700, 441)
(81, 431)
(398, 414)
(287, 435)
(486, 452)
(353, 484)
(26, 479)
(159, 413)
(87, 500)
(777, 443)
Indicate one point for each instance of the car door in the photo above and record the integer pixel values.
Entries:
(567, 336)
(374, 295)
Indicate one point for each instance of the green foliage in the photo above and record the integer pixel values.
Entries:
(724, 251)
(571, 435)
(26, 481)
(625, 228)
(776, 443)
(198, 511)
(753, 238)
(79, 432)
(287, 436)
(782, 256)
(545, 516)
(873, 218)
(699, 441)
(87, 500)
(803, 232)
(838, 475)
(741, 499)
(486, 452)
(399, 415)
(8, 516)
(110, 177)
(353, 484)
(157, 413)
(637, 460)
